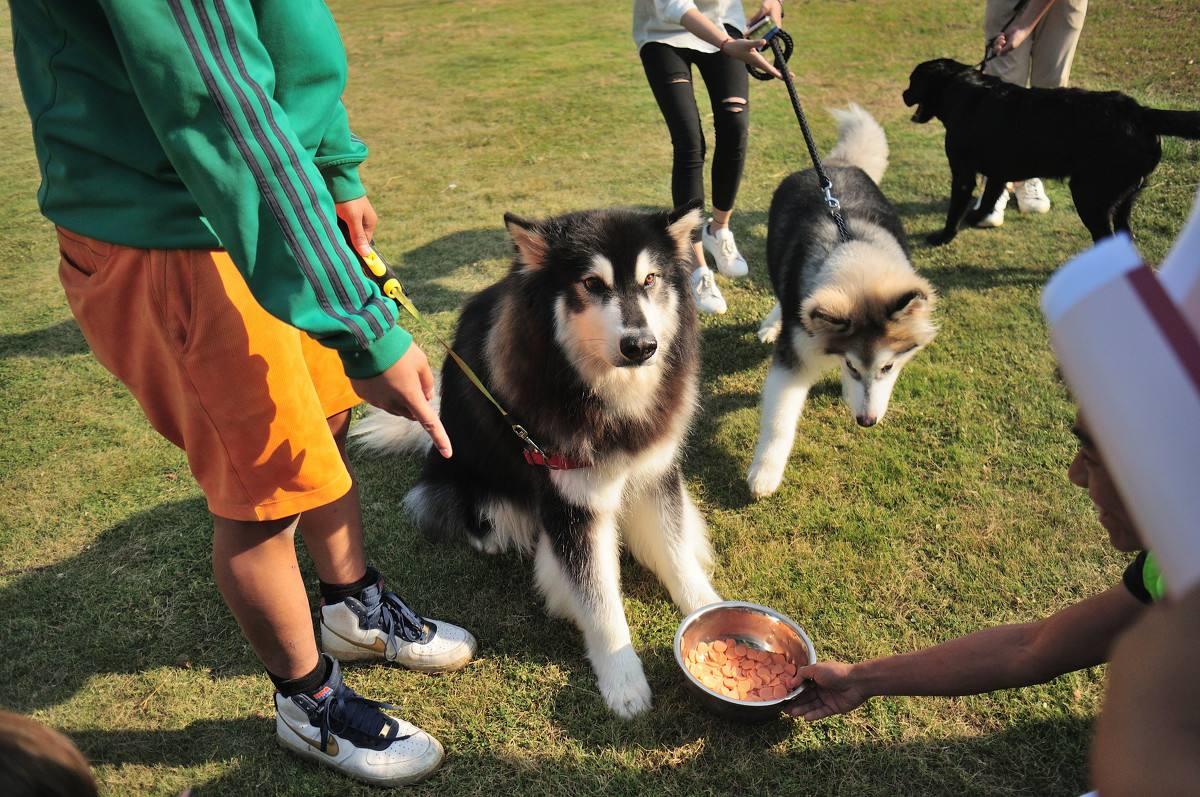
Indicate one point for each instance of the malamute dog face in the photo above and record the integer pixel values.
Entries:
(590, 342)
(858, 304)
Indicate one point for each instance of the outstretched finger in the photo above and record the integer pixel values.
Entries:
(423, 414)
(359, 238)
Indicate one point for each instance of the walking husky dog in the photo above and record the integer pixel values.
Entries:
(591, 342)
(857, 303)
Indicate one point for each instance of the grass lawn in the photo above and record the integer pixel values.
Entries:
(953, 513)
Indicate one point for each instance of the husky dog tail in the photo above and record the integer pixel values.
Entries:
(378, 432)
(861, 142)
(1184, 124)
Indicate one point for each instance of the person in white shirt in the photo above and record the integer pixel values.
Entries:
(673, 36)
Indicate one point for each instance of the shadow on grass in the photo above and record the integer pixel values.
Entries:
(441, 257)
(141, 596)
(977, 277)
(1042, 757)
(60, 340)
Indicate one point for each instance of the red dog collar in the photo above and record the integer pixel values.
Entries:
(553, 461)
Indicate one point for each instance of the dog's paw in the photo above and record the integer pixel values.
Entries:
(770, 333)
(764, 479)
(940, 237)
(489, 543)
(698, 597)
(623, 684)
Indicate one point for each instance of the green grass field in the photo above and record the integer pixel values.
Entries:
(953, 513)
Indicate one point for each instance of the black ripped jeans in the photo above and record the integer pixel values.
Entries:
(669, 70)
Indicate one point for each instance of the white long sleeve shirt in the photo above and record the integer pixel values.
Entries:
(658, 21)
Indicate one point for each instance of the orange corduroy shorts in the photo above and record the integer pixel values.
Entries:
(244, 394)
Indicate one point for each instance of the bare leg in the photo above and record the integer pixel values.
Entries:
(255, 567)
(333, 533)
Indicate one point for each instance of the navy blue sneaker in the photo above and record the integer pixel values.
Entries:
(353, 735)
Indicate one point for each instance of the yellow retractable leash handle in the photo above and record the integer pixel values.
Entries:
(382, 275)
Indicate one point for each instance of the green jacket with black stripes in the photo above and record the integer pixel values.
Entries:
(199, 124)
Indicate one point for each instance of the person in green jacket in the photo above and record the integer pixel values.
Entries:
(1006, 656)
(196, 158)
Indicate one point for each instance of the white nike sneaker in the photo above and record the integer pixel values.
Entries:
(996, 217)
(724, 252)
(1031, 196)
(339, 729)
(708, 295)
(378, 625)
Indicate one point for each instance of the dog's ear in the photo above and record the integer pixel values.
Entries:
(910, 303)
(827, 312)
(681, 224)
(530, 241)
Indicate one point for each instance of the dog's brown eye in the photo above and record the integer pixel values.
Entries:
(854, 371)
(886, 368)
(650, 280)
(595, 285)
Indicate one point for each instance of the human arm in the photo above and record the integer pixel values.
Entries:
(685, 13)
(1002, 657)
(206, 84)
(1148, 734)
(1022, 27)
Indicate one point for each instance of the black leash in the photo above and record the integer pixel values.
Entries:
(783, 46)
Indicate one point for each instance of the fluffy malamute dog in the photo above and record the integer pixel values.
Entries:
(591, 342)
(858, 304)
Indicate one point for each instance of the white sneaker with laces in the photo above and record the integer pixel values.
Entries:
(378, 625)
(996, 217)
(1031, 196)
(708, 295)
(355, 736)
(724, 252)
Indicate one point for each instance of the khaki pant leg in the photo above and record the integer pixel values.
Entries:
(1054, 44)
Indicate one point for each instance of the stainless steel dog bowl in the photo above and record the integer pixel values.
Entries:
(755, 627)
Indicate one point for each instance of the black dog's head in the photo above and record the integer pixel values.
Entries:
(927, 83)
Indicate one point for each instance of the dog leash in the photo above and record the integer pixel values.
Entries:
(782, 46)
(389, 284)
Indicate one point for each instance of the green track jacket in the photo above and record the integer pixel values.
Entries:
(197, 124)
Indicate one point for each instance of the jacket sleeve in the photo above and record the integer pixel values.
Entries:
(338, 158)
(673, 10)
(205, 82)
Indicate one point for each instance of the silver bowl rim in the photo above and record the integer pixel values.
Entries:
(767, 610)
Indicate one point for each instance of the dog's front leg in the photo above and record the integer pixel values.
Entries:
(962, 183)
(577, 568)
(665, 532)
(783, 399)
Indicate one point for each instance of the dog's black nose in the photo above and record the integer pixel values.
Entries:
(638, 348)
(866, 420)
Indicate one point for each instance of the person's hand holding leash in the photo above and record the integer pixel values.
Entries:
(1010, 39)
(771, 8)
(360, 219)
(405, 389)
(747, 51)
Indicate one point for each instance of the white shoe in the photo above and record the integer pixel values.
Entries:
(1031, 196)
(339, 729)
(724, 252)
(708, 295)
(996, 217)
(378, 625)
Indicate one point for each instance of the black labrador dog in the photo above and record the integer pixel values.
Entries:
(1105, 142)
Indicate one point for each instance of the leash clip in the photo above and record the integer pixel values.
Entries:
(520, 432)
(830, 200)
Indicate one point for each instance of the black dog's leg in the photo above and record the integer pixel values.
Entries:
(991, 192)
(1094, 202)
(961, 185)
(1124, 207)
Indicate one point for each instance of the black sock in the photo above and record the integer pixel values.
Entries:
(336, 593)
(305, 684)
